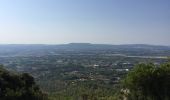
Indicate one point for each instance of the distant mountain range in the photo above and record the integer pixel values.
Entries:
(37, 49)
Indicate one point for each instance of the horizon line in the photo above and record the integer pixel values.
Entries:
(81, 43)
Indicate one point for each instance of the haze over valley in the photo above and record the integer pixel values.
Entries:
(84, 49)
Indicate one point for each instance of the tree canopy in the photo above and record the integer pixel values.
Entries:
(18, 87)
(148, 82)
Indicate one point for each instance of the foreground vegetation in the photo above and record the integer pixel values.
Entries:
(18, 87)
(147, 82)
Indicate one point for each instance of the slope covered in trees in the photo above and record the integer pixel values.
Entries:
(147, 82)
(18, 87)
(143, 82)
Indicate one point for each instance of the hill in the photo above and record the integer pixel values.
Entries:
(18, 87)
(40, 49)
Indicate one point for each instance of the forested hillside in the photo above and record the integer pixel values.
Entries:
(19, 87)
(143, 82)
(146, 82)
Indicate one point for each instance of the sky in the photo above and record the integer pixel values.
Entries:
(85, 21)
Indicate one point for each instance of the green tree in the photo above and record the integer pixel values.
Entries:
(148, 82)
(18, 87)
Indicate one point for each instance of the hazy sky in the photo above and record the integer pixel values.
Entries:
(92, 21)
